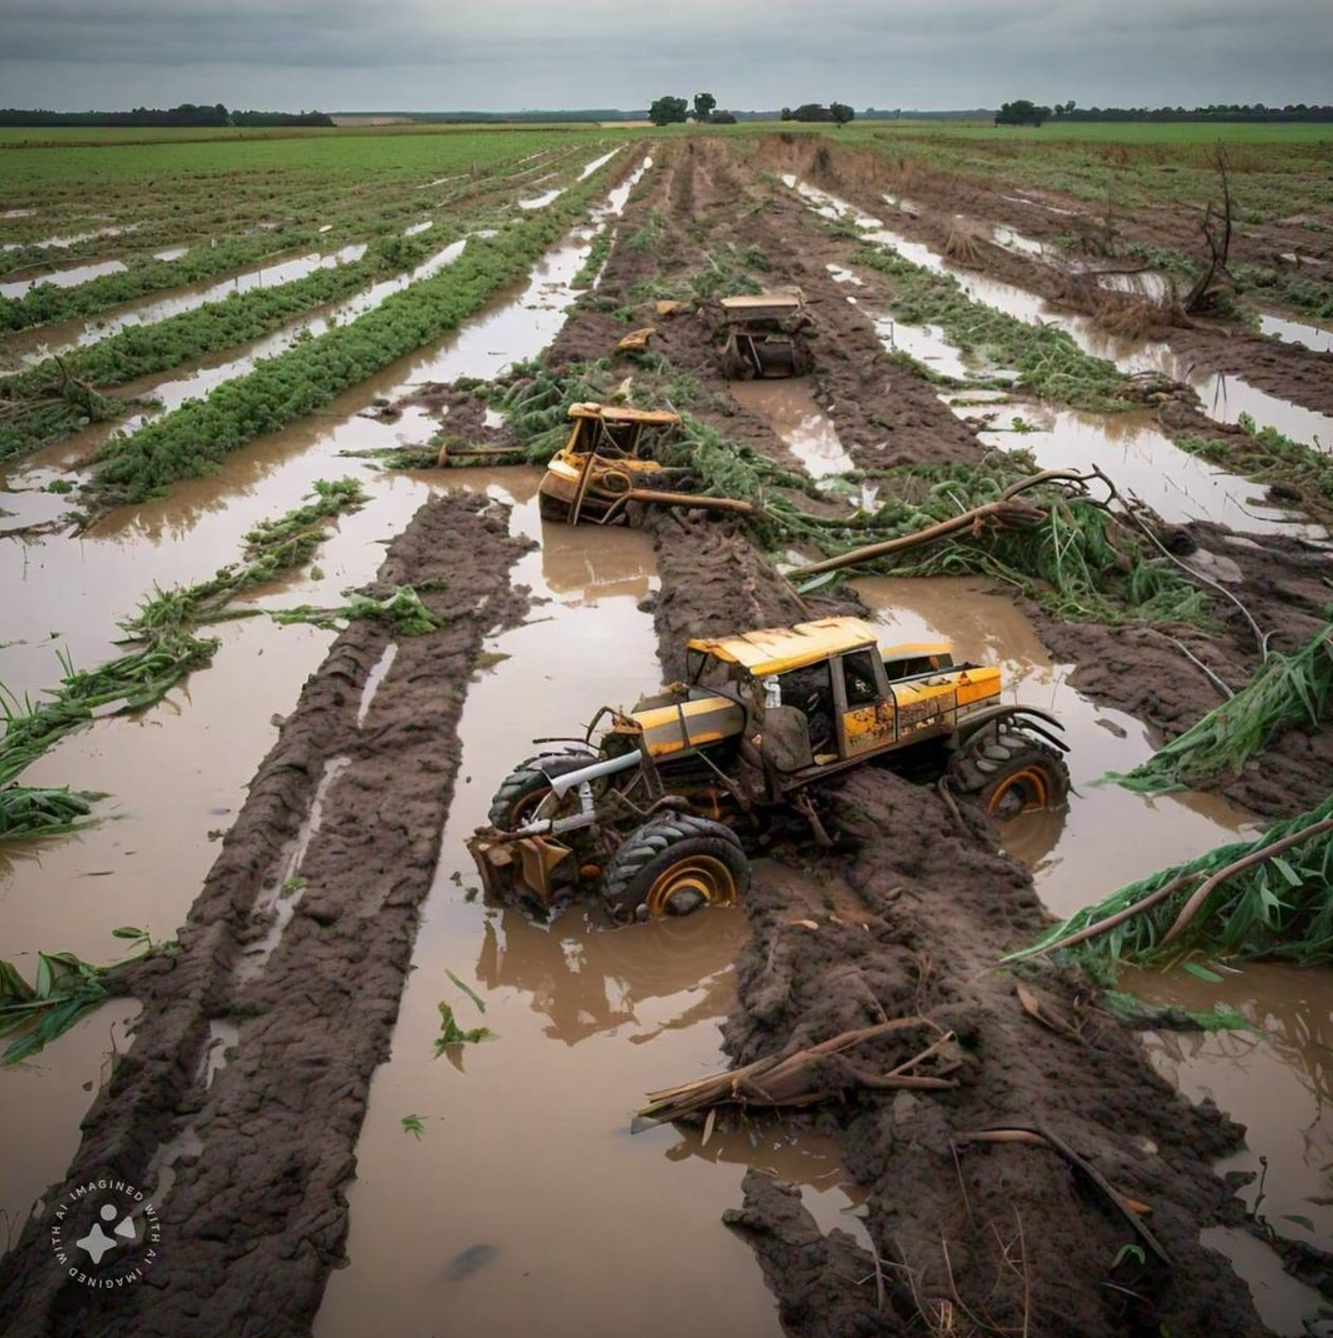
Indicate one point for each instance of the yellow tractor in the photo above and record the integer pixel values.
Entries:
(765, 335)
(656, 809)
(609, 461)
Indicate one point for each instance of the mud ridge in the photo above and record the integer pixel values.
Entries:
(255, 1220)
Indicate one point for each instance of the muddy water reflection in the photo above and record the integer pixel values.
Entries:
(807, 430)
(69, 277)
(1314, 337)
(1143, 462)
(569, 1212)
(1278, 1082)
(179, 771)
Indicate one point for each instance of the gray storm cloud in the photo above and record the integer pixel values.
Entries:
(424, 55)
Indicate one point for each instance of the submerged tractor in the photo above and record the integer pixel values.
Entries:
(766, 336)
(656, 809)
(613, 458)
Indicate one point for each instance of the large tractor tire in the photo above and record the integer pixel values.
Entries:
(1008, 771)
(673, 865)
(527, 785)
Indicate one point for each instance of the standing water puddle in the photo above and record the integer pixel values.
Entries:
(1314, 337)
(35, 345)
(1280, 1085)
(808, 432)
(62, 278)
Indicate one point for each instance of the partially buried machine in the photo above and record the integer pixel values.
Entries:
(656, 810)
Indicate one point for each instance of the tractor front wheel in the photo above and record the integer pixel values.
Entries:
(673, 865)
(527, 785)
(1009, 772)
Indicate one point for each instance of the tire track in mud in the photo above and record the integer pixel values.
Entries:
(256, 1215)
(912, 913)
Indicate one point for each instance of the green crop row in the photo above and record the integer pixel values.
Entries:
(189, 441)
(1048, 361)
(46, 403)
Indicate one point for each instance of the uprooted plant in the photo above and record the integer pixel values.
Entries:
(64, 988)
(1262, 898)
(1286, 690)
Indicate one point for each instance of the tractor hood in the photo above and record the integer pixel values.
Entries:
(672, 726)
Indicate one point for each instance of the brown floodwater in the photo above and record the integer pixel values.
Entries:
(526, 1173)
(526, 1194)
(806, 428)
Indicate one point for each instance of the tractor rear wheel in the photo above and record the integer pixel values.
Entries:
(673, 865)
(1008, 771)
(527, 785)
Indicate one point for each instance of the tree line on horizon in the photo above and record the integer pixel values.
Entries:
(1025, 112)
(676, 111)
(187, 114)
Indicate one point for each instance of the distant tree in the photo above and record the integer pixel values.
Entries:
(668, 111)
(786, 114)
(704, 103)
(812, 111)
(722, 118)
(1022, 112)
(842, 113)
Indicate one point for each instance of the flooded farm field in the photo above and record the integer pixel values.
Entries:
(284, 616)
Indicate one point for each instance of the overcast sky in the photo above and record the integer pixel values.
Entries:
(428, 55)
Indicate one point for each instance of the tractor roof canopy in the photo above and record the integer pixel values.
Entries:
(758, 302)
(611, 413)
(776, 650)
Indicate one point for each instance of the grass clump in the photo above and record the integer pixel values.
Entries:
(1296, 472)
(1287, 690)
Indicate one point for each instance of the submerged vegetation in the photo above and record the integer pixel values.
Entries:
(189, 441)
(166, 650)
(1048, 361)
(65, 987)
(1294, 471)
(49, 401)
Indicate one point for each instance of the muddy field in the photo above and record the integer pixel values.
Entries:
(275, 1080)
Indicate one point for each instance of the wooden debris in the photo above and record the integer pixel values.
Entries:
(806, 1076)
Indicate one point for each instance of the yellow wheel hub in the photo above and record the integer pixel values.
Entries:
(1031, 786)
(692, 882)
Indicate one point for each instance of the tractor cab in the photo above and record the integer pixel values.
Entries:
(610, 451)
(824, 695)
(765, 336)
